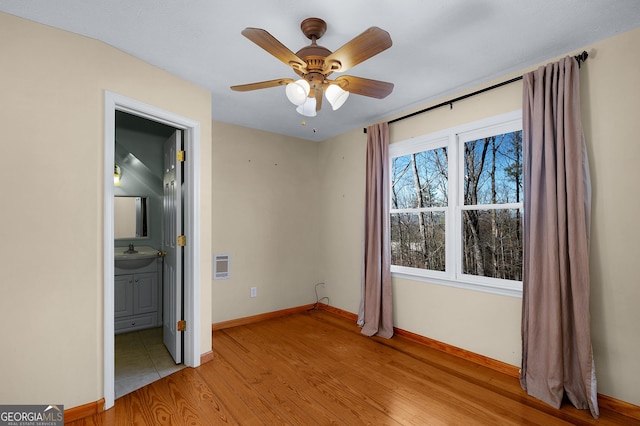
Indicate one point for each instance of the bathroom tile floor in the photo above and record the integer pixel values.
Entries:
(141, 358)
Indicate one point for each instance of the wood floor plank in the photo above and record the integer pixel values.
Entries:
(285, 382)
(206, 407)
(390, 388)
(327, 372)
(324, 369)
(316, 368)
(239, 397)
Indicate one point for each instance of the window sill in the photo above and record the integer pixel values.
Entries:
(506, 289)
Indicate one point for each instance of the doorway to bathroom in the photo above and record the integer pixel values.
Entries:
(184, 260)
(147, 219)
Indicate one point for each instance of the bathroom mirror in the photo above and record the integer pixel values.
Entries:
(130, 217)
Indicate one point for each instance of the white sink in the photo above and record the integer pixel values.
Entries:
(145, 256)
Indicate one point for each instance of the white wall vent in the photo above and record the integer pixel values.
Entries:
(221, 266)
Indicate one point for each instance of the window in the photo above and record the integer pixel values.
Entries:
(456, 206)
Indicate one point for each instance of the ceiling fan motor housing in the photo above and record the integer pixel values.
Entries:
(314, 54)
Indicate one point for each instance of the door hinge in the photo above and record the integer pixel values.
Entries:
(180, 155)
(182, 240)
(182, 325)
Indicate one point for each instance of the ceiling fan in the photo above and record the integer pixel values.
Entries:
(314, 63)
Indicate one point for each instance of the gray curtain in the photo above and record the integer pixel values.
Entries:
(557, 358)
(376, 307)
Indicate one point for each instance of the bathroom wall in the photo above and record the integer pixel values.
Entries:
(52, 115)
(144, 140)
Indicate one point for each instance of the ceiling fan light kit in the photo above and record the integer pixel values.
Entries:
(336, 96)
(308, 108)
(314, 63)
(297, 91)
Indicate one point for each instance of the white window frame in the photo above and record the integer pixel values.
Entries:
(454, 139)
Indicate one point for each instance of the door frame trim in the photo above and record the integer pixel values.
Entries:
(191, 265)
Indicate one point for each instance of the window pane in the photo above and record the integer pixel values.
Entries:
(418, 240)
(419, 180)
(493, 169)
(492, 243)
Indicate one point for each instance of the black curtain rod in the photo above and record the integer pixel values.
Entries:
(580, 58)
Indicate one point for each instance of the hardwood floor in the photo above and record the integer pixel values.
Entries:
(316, 368)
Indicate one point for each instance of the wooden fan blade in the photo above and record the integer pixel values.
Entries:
(365, 87)
(371, 42)
(269, 43)
(262, 85)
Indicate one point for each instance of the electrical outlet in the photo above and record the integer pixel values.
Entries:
(254, 291)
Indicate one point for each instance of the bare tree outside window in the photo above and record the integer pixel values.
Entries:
(490, 207)
(492, 239)
(419, 198)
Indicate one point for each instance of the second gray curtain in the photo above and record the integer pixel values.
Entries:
(557, 359)
(376, 306)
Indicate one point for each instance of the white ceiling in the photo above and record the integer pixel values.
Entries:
(439, 47)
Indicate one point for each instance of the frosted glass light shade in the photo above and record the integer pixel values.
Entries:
(298, 91)
(336, 96)
(308, 108)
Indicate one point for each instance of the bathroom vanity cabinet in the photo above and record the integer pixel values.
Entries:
(137, 298)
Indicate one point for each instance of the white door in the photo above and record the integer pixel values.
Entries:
(172, 273)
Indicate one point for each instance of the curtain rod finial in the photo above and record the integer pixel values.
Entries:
(581, 57)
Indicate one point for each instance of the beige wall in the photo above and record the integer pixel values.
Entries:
(288, 211)
(266, 216)
(342, 163)
(482, 323)
(611, 114)
(52, 87)
(489, 324)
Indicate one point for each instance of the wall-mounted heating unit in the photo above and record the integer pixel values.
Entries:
(221, 266)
